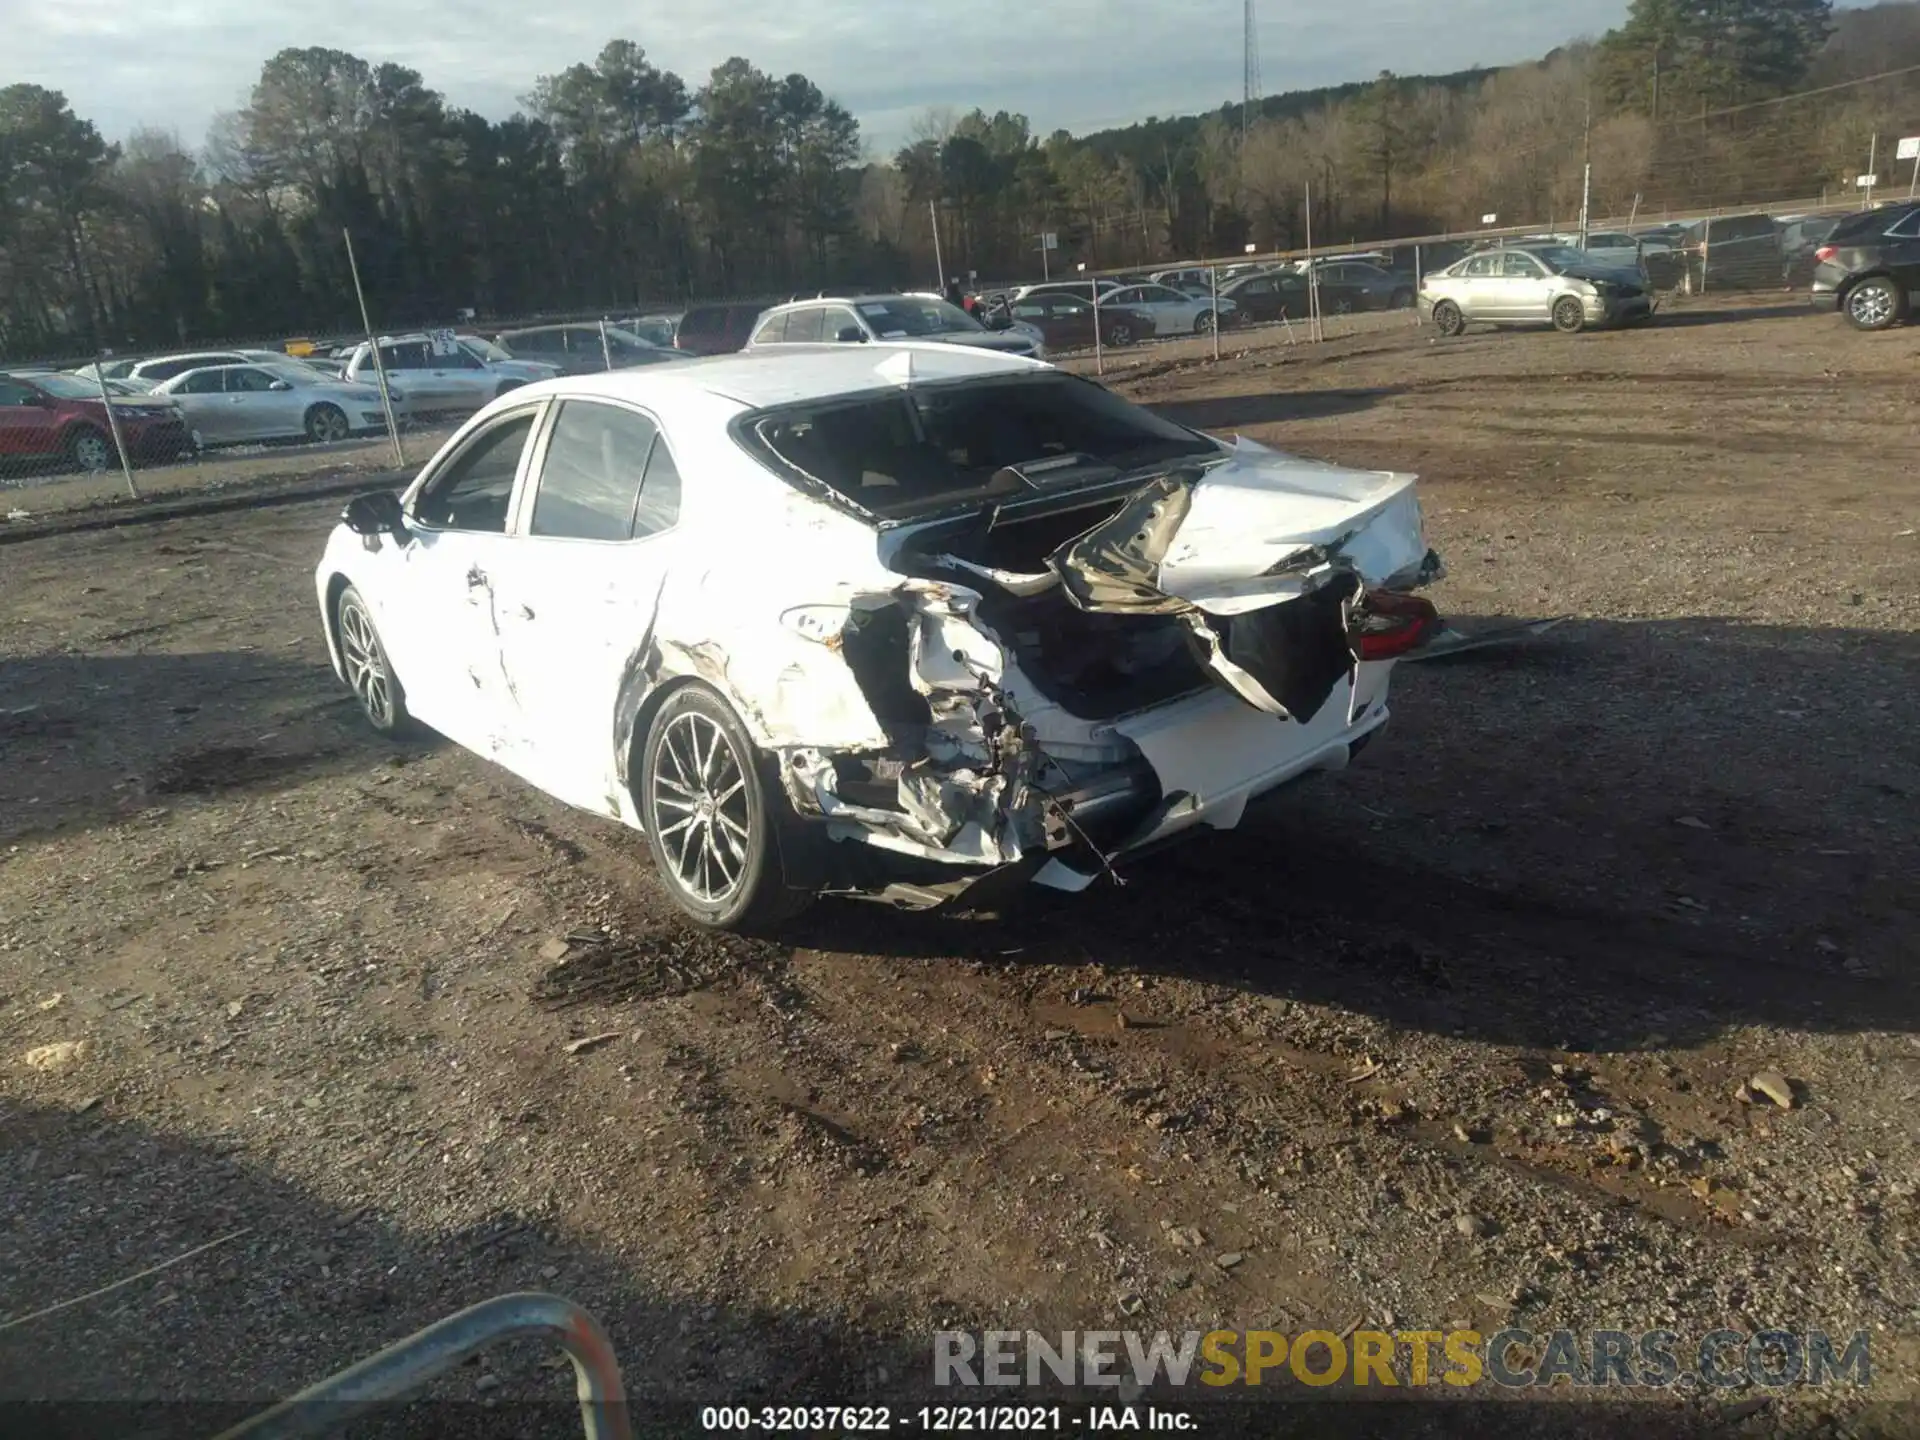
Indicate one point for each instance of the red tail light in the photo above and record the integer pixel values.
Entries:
(1826, 253)
(1388, 625)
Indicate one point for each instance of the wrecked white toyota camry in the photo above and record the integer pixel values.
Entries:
(890, 621)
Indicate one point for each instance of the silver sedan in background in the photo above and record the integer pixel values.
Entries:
(1533, 285)
(229, 404)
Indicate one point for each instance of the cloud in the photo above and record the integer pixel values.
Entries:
(1081, 64)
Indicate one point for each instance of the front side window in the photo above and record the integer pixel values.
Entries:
(1520, 266)
(805, 327)
(248, 381)
(475, 489)
(590, 480)
(838, 321)
(204, 382)
(409, 356)
(12, 394)
(1481, 266)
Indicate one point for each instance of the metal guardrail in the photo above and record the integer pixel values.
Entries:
(407, 1364)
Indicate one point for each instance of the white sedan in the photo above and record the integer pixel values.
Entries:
(1172, 312)
(228, 404)
(884, 620)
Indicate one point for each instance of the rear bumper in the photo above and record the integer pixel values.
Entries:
(1204, 760)
(1826, 301)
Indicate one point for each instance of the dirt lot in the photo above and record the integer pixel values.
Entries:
(1452, 1038)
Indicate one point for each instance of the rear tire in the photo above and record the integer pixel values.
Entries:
(327, 424)
(1876, 303)
(1447, 319)
(1120, 333)
(714, 816)
(1569, 315)
(89, 450)
(1203, 322)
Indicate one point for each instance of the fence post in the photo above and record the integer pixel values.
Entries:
(1099, 349)
(1706, 249)
(373, 346)
(113, 423)
(1418, 280)
(606, 352)
(1213, 282)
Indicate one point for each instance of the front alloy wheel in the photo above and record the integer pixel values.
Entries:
(369, 673)
(711, 819)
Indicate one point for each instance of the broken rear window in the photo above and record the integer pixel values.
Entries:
(902, 454)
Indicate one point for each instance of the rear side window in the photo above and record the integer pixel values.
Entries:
(590, 480)
(773, 332)
(1906, 227)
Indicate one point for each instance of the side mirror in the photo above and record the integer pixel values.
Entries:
(375, 513)
(851, 335)
(280, 385)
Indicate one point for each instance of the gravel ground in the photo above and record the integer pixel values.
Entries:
(1456, 1037)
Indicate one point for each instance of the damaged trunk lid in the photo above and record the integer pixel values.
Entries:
(1265, 559)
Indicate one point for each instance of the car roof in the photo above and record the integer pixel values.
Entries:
(793, 374)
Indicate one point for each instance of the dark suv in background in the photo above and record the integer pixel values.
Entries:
(719, 329)
(1869, 267)
(1731, 252)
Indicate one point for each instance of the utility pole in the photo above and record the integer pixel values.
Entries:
(1586, 173)
(933, 214)
(1250, 68)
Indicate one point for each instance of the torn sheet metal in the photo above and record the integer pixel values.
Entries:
(1255, 531)
(1450, 641)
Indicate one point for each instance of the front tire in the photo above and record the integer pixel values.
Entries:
(327, 424)
(1203, 322)
(1876, 303)
(1120, 333)
(711, 817)
(1447, 319)
(89, 449)
(1569, 315)
(369, 672)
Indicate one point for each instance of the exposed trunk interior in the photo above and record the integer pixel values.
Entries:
(1095, 666)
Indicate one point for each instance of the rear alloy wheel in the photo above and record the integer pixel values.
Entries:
(89, 450)
(1203, 322)
(326, 424)
(369, 672)
(1119, 333)
(1569, 315)
(1447, 318)
(711, 818)
(1877, 303)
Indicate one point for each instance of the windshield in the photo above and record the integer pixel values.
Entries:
(909, 315)
(900, 456)
(68, 387)
(484, 351)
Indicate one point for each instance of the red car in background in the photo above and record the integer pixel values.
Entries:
(62, 417)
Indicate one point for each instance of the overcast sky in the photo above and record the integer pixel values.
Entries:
(1082, 64)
